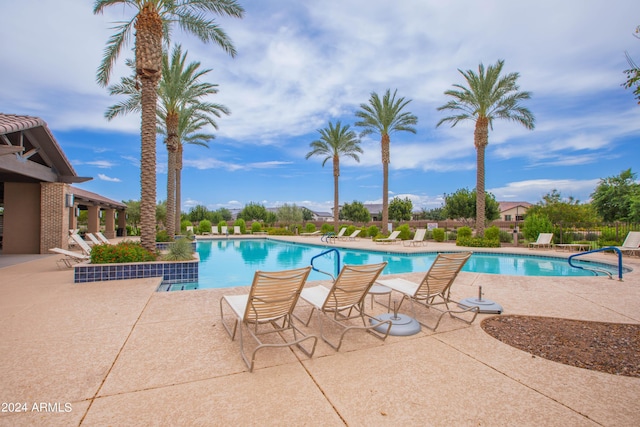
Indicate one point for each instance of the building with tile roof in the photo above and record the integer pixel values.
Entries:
(39, 204)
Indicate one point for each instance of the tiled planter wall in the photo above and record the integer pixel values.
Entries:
(170, 271)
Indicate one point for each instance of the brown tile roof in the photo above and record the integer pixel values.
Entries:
(94, 197)
(13, 123)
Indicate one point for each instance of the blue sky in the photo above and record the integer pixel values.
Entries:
(303, 64)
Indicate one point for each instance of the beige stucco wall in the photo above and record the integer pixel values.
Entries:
(21, 218)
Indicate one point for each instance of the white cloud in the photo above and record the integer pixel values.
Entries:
(104, 177)
(533, 190)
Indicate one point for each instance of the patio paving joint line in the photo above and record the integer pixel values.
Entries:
(115, 360)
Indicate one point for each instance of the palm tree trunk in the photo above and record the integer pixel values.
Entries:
(148, 165)
(178, 186)
(386, 159)
(481, 139)
(172, 148)
(149, 70)
(336, 199)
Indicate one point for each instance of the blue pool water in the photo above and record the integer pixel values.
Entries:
(228, 263)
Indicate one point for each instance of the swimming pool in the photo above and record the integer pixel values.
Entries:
(230, 262)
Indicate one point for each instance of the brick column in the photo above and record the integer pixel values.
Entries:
(54, 221)
(109, 223)
(122, 222)
(93, 219)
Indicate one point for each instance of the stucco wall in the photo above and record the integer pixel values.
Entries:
(21, 218)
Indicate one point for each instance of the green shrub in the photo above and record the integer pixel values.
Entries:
(280, 232)
(405, 233)
(535, 224)
(438, 234)
(222, 223)
(256, 227)
(204, 226)
(464, 232)
(242, 224)
(379, 236)
(184, 224)
(122, 252)
(478, 242)
(180, 250)
(506, 237)
(163, 236)
(363, 232)
(326, 228)
(492, 233)
(372, 231)
(310, 227)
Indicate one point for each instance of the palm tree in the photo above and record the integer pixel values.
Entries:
(192, 120)
(335, 142)
(385, 117)
(180, 92)
(152, 22)
(179, 110)
(487, 97)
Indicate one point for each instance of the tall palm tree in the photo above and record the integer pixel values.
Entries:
(385, 117)
(180, 90)
(180, 112)
(152, 21)
(487, 97)
(335, 141)
(192, 121)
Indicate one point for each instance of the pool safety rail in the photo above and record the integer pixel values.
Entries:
(594, 269)
(329, 237)
(323, 253)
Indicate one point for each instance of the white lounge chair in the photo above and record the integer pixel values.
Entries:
(315, 233)
(70, 257)
(93, 239)
(418, 238)
(236, 229)
(102, 238)
(352, 237)
(393, 238)
(631, 244)
(346, 296)
(82, 243)
(267, 309)
(435, 284)
(224, 229)
(544, 241)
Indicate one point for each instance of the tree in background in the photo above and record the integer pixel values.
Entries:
(253, 212)
(633, 73)
(198, 213)
(385, 117)
(289, 214)
(355, 212)
(133, 212)
(561, 210)
(335, 142)
(435, 214)
(400, 209)
(488, 97)
(617, 198)
(462, 205)
(151, 22)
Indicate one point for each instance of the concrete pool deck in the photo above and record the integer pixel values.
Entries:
(119, 353)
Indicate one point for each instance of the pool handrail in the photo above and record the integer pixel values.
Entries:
(326, 236)
(324, 253)
(607, 248)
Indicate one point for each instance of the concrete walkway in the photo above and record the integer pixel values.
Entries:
(118, 353)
